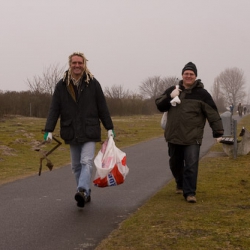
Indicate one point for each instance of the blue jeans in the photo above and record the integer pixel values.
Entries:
(82, 156)
(183, 162)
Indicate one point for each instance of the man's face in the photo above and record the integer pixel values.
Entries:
(76, 66)
(188, 78)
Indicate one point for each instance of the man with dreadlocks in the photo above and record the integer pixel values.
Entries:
(79, 101)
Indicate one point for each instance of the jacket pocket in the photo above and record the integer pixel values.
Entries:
(67, 131)
(93, 129)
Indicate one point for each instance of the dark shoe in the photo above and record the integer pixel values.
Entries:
(191, 199)
(82, 198)
(178, 191)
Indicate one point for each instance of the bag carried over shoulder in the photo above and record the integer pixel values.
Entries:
(164, 120)
(110, 162)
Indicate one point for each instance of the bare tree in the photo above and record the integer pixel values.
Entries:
(154, 86)
(167, 82)
(232, 84)
(217, 96)
(150, 87)
(116, 92)
(123, 102)
(47, 82)
(24, 103)
(35, 85)
(215, 90)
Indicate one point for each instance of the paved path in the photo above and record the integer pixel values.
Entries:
(39, 213)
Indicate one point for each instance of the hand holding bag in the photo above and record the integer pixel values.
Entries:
(110, 162)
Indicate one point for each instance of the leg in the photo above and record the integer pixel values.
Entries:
(176, 163)
(75, 153)
(191, 157)
(87, 156)
(82, 158)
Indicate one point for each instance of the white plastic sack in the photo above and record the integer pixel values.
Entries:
(164, 120)
(110, 162)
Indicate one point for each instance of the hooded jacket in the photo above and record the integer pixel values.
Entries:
(80, 111)
(186, 121)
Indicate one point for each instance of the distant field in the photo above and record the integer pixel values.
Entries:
(19, 137)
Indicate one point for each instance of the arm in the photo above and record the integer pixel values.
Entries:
(54, 111)
(163, 101)
(103, 111)
(210, 110)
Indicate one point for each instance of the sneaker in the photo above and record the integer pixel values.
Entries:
(178, 191)
(82, 198)
(191, 199)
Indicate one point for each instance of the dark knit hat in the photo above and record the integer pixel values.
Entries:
(190, 66)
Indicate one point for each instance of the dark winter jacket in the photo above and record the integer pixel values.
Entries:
(186, 121)
(80, 111)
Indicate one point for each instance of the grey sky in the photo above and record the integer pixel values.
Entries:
(125, 41)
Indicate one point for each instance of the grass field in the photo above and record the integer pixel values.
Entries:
(219, 220)
(20, 136)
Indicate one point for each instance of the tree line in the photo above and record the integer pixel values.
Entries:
(28, 103)
(228, 88)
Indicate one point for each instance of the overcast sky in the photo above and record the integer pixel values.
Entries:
(125, 41)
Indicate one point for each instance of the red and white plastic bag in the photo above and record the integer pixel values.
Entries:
(111, 167)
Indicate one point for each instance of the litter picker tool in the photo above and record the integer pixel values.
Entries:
(45, 154)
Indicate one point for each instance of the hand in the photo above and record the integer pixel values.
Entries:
(218, 133)
(175, 92)
(47, 136)
(111, 132)
(218, 139)
(175, 101)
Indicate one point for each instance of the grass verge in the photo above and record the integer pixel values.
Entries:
(19, 137)
(219, 220)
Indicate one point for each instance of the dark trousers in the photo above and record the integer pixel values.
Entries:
(183, 162)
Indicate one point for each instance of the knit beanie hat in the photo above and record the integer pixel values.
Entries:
(190, 66)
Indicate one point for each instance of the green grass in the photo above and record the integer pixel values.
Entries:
(219, 220)
(20, 136)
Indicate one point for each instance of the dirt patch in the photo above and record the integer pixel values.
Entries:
(7, 150)
(20, 141)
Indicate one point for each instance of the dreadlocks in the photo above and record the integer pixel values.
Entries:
(86, 70)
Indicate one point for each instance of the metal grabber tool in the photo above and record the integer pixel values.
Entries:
(45, 154)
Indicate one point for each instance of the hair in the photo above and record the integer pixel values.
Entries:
(86, 70)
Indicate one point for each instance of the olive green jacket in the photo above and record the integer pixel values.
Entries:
(186, 121)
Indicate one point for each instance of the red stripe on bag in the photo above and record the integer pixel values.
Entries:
(101, 182)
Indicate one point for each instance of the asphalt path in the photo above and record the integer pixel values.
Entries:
(39, 212)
